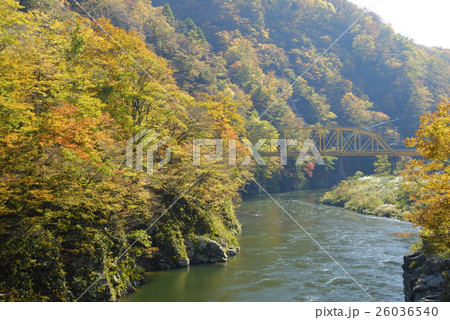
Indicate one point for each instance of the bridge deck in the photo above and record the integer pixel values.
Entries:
(398, 153)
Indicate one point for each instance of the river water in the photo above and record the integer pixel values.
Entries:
(279, 261)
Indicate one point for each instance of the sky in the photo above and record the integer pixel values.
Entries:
(427, 22)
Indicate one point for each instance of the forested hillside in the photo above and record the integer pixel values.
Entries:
(255, 49)
(70, 97)
(252, 51)
(73, 91)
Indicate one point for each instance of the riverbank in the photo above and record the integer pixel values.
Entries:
(195, 250)
(192, 250)
(382, 196)
(426, 277)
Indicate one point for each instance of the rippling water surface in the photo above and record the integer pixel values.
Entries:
(279, 261)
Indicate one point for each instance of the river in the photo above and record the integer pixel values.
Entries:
(279, 261)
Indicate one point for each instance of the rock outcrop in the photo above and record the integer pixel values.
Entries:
(203, 250)
(426, 277)
(192, 250)
(232, 251)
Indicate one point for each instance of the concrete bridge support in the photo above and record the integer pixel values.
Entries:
(394, 160)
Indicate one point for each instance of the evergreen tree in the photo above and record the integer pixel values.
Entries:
(167, 11)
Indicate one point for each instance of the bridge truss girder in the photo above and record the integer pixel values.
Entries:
(339, 142)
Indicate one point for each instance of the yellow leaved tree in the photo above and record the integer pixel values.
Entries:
(429, 180)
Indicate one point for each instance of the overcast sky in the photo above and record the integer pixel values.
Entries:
(427, 22)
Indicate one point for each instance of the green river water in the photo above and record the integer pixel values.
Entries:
(279, 261)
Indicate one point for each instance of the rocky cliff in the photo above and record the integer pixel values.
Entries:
(426, 277)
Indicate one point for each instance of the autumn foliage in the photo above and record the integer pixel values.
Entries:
(73, 91)
(429, 180)
(70, 97)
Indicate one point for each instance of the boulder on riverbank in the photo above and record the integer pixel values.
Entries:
(203, 250)
(192, 250)
(232, 251)
(426, 277)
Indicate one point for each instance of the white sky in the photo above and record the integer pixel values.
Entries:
(427, 22)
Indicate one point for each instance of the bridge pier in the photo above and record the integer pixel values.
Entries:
(341, 172)
(394, 160)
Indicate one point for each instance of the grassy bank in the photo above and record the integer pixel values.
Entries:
(382, 196)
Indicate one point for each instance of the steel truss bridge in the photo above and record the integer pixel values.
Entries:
(335, 141)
